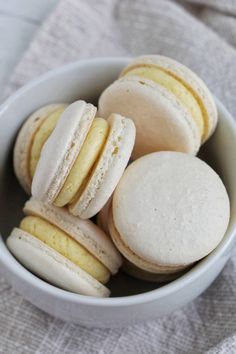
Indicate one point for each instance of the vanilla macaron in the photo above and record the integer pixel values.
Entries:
(30, 140)
(83, 160)
(172, 108)
(169, 210)
(71, 253)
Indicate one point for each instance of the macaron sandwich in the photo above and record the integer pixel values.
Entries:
(65, 250)
(175, 214)
(159, 216)
(170, 105)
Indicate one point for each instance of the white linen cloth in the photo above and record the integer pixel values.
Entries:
(198, 33)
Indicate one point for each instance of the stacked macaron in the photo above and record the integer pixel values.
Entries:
(171, 106)
(165, 212)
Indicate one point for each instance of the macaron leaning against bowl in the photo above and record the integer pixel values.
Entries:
(172, 108)
(64, 250)
(174, 214)
(83, 160)
(30, 140)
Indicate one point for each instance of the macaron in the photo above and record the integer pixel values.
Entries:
(83, 160)
(172, 108)
(71, 253)
(30, 140)
(169, 210)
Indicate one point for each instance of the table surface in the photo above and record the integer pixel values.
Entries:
(19, 21)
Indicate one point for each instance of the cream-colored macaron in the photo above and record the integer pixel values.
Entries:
(169, 210)
(71, 253)
(30, 140)
(83, 160)
(170, 105)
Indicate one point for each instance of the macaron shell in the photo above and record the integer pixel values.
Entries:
(109, 168)
(187, 76)
(162, 123)
(51, 266)
(179, 202)
(24, 141)
(61, 150)
(84, 231)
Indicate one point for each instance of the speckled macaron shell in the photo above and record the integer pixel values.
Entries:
(24, 142)
(162, 123)
(85, 232)
(179, 202)
(52, 266)
(188, 77)
(109, 168)
(61, 150)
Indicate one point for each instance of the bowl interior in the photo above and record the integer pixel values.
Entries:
(86, 80)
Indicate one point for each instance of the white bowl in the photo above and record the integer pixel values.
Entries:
(133, 300)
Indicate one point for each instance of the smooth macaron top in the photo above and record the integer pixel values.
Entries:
(170, 209)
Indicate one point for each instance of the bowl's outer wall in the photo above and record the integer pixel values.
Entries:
(86, 80)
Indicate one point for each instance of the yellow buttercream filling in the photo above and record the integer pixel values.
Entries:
(87, 156)
(57, 239)
(175, 86)
(41, 136)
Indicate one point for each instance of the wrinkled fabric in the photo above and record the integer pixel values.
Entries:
(198, 33)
